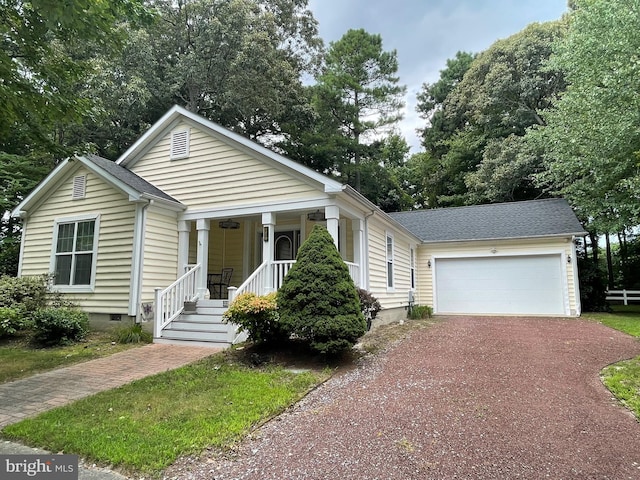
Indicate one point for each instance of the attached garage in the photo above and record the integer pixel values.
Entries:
(516, 285)
(515, 258)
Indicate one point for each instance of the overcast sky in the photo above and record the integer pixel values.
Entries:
(426, 33)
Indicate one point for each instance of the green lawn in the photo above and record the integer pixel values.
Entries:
(625, 318)
(144, 426)
(18, 358)
(623, 378)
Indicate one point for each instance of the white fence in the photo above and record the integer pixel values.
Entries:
(624, 296)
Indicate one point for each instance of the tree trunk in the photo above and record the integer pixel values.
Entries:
(609, 262)
(593, 238)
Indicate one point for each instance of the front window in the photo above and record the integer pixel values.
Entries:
(389, 261)
(412, 259)
(75, 252)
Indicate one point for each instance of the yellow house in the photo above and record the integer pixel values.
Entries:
(195, 213)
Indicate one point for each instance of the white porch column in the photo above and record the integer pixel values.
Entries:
(203, 225)
(184, 228)
(268, 238)
(358, 250)
(332, 214)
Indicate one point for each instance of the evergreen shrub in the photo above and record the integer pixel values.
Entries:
(318, 301)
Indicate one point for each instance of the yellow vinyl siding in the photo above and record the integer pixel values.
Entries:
(160, 252)
(397, 296)
(483, 248)
(217, 174)
(115, 240)
(231, 242)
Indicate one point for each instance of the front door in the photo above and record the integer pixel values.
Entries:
(286, 244)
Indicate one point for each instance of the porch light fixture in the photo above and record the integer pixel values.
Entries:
(568, 258)
(316, 216)
(265, 233)
(429, 263)
(229, 224)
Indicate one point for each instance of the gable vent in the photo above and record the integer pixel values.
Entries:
(179, 144)
(79, 186)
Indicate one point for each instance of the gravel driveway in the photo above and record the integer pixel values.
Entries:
(471, 397)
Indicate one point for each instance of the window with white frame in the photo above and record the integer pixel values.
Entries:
(75, 243)
(412, 260)
(389, 260)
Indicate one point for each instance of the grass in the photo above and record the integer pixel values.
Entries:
(625, 318)
(622, 378)
(146, 425)
(19, 358)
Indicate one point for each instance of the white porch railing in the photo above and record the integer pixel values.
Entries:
(354, 271)
(625, 296)
(279, 270)
(169, 303)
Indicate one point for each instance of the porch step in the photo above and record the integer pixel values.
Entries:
(194, 324)
(196, 335)
(192, 343)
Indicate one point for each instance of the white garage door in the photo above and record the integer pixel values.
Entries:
(500, 285)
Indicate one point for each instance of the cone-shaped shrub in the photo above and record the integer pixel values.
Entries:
(318, 300)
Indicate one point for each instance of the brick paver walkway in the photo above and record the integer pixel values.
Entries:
(41, 392)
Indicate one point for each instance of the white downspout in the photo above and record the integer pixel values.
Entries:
(365, 256)
(576, 279)
(137, 261)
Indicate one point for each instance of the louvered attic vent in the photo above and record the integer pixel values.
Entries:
(79, 186)
(179, 144)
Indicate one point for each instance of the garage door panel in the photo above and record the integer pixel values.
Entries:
(500, 285)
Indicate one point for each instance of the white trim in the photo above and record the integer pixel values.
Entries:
(36, 192)
(255, 209)
(137, 259)
(391, 282)
(22, 242)
(342, 243)
(177, 112)
(94, 259)
(576, 280)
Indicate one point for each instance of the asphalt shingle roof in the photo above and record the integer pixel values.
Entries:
(534, 218)
(129, 178)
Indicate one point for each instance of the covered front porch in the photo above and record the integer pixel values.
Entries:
(224, 256)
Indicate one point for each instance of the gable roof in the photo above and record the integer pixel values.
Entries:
(119, 177)
(129, 178)
(170, 119)
(529, 219)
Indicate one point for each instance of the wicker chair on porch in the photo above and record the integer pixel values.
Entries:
(217, 282)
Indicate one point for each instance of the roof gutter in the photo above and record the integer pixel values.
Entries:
(496, 239)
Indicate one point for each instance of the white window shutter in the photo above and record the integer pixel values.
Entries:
(179, 144)
(79, 186)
